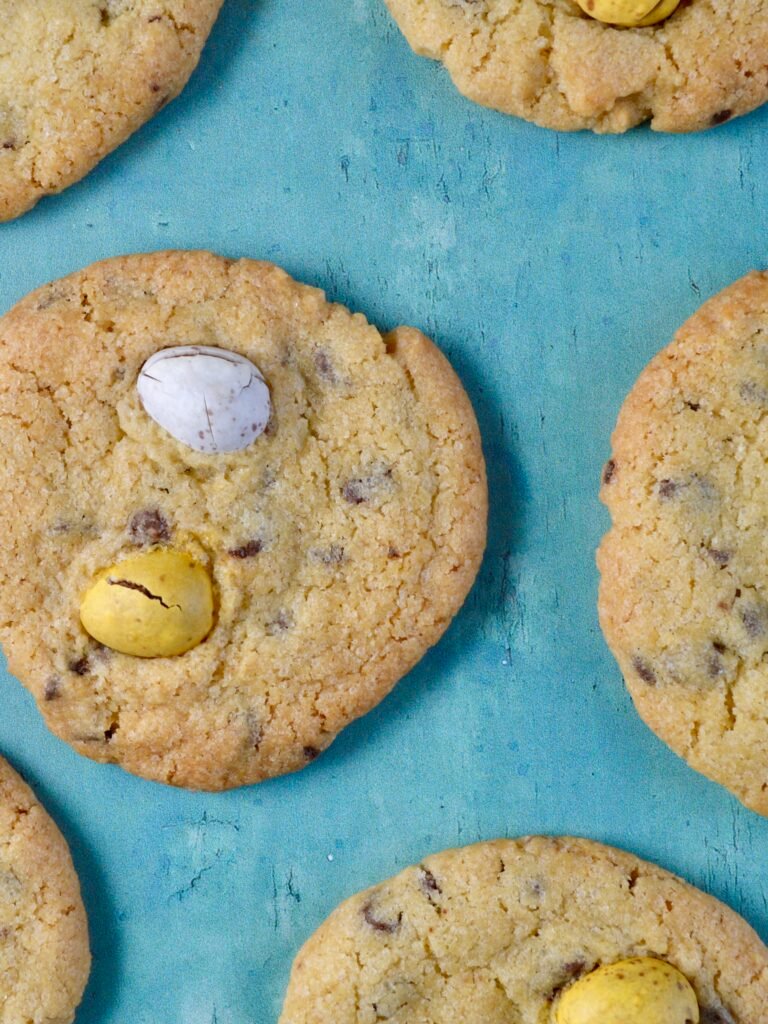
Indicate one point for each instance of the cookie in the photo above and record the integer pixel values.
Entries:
(551, 63)
(684, 591)
(288, 583)
(501, 932)
(44, 957)
(77, 77)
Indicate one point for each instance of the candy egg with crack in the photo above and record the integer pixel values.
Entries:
(209, 399)
(155, 605)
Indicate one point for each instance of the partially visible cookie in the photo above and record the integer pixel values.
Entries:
(77, 77)
(549, 62)
(207, 586)
(497, 934)
(684, 590)
(44, 957)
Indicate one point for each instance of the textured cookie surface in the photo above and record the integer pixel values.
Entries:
(551, 63)
(77, 77)
(492, 933)
(44, 958)
(340, 543)
(684, 592)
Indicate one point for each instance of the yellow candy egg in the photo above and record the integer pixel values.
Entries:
(641, 990)
(630, 13)
(152, 606)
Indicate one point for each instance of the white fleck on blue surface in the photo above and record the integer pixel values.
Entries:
(550, 268)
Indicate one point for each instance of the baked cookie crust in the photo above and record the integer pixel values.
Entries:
(684, 590)
(340, 543)
(550, 63)
(77, 77)
(491, 934)
(44, 956)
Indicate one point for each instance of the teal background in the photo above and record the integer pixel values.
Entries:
(550, 268)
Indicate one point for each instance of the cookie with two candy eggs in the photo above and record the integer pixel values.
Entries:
(235, 513)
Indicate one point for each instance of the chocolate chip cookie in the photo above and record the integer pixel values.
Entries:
(500, 932)
(549, 62)
(215, 560)
(684, 592)
(77, 77)
(44, 957)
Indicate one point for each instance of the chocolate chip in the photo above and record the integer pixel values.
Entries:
(753, 392)
(721, 117)
(149, 526)
(100, 652)
(333, 555)
(61, 526)
(310, 753)
(570, 971)
(324, 366)
(248, 550)
(110, 732)
(705, 487)
(380, 924)
(354, 492)
(393, 552)
(80, 666)
(716, 1015)
(52, 688)
(693, 406)
(644, 670)
(428, 884)
(255, 730)
(574, 968)
(364, 488)
(281, 623)
(715, 667)
(609, 471)
(49, 297)
(718, 556)
(755, 620)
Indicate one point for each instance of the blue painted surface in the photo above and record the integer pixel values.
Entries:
(550, 268)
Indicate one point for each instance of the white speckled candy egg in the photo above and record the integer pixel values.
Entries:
(208, 398)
